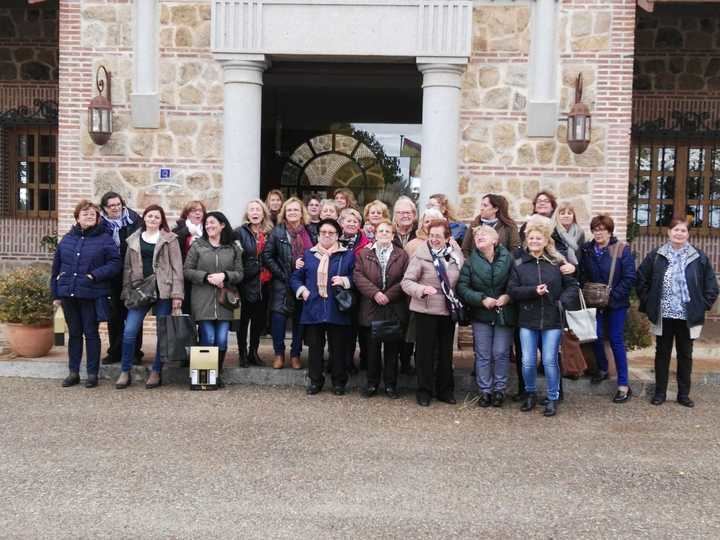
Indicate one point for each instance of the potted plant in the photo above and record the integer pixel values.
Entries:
(26, 308)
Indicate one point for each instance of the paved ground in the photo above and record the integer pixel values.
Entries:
(263, 462)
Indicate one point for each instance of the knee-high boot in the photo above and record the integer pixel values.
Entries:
(221, 362)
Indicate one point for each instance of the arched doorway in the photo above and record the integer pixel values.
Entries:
(330, 161)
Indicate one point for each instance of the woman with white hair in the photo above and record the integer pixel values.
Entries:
(537, 286)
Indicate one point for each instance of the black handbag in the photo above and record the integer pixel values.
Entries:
(175, 335)
(344, 297)
(388, 329)
(142, 292)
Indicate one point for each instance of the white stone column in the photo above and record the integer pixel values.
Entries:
(241, 139)
(542, 111)
(145, 99)
(440, 129)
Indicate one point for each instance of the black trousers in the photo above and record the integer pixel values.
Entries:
(254, 316)
(116, 326)
(677, 330)
(356, 336)
(386, 363)
(337, 337)
(434, 339)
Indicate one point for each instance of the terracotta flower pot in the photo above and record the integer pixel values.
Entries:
(30, 341)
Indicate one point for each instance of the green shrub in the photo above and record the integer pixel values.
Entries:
(637, 329)
(25, 296)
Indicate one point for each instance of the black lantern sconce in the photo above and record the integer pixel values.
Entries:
(100, 110)
(578, 121)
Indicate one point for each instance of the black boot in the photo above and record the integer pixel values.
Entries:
(221, 361)
(242, 357)
(530, 402)
(550, 407)
(254, 358)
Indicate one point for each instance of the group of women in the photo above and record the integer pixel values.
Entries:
(341, 277)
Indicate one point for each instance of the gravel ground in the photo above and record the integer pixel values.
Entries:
(263, 462)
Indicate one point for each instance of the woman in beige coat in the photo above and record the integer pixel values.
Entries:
(152, 249)
(430, 281)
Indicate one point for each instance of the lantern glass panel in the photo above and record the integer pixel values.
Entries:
(96, 121)
(588, 129)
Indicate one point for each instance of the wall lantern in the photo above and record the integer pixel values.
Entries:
(578, 121)
(100, 110)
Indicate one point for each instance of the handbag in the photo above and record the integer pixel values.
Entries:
(344, 298)
(389, 329)
(228, 297)
(598, 294)
(573, 361)
(176, 333)
(142, 292)
(582, 323)
(461, 314)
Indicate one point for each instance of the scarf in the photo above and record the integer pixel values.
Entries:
(265, 274)
(383, 255)
(349, 241)
(571, 236)
(489, 222)
(117, 224)
(678, 262)
(322, 271)
(440, 258)
(299, 241)
(194, 230)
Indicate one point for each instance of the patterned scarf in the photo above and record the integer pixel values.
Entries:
(299, 240)
(265, 274)
(678, 262)
(349, 241)
(322, 271)
(117, 224)
(440, 258)
(383, 254)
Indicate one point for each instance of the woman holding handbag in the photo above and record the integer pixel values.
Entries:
(378, 273)
(319, 282)
(676, 285)
(483, 286)
(153, 264)
(430, 280)
(539, 287)
(214, 267)
(610, 263)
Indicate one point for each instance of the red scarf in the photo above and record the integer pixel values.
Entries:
(299, 241)
(265, 274)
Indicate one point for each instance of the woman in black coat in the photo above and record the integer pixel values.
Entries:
(676, 285)
(85, 262)
(255, 287)
(285, 246)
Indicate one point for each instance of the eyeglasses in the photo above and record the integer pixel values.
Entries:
(542, 200)
(114, 205)
(328, 233)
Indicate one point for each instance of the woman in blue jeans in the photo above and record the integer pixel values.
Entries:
(595, 263)
(152, 249)
(214, 261)
(537, 286)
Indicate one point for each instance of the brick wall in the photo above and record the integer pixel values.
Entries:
(595, 38)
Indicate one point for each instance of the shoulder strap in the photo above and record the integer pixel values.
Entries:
(618, 247)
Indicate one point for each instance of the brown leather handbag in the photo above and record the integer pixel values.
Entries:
(597, 295)
(228, 297)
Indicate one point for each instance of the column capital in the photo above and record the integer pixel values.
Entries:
(243, 68)
(441, 74)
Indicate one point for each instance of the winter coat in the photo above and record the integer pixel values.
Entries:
(277, 257)
(367, 277)
(701, 282)
(458, 231)
(481, 279)
(81, 253)
(596, 269)
(396, 239)
(362, 242)
(508, 236)
(204, 259)
(540, 312)
(125, 232)
(250, 288)
(167, 265)
(316, 309)
(420, 274)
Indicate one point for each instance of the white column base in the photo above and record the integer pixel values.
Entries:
(542, 118)
(145, 109)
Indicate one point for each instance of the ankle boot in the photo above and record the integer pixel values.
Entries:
(221, 362)
(279, 361)
(71, 380)
(154, 380)
(530, 402)
(295, 362)
(254, 358)
(242, 358)
(550, 407)
(123, 380)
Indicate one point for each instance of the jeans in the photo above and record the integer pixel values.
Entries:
(677, 330)
(133, 327)
(277, 329)
(550, 345)
(82, 321)
(214, 334)
(116, 324)
(615, 320)
(492, 356)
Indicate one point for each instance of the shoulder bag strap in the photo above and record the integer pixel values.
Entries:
(618, 247)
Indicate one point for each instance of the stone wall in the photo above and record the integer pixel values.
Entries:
(28, 44)
(595, 39)
(189, 139)
(678, 51)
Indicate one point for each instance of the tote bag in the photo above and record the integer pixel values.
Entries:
(582, 323)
